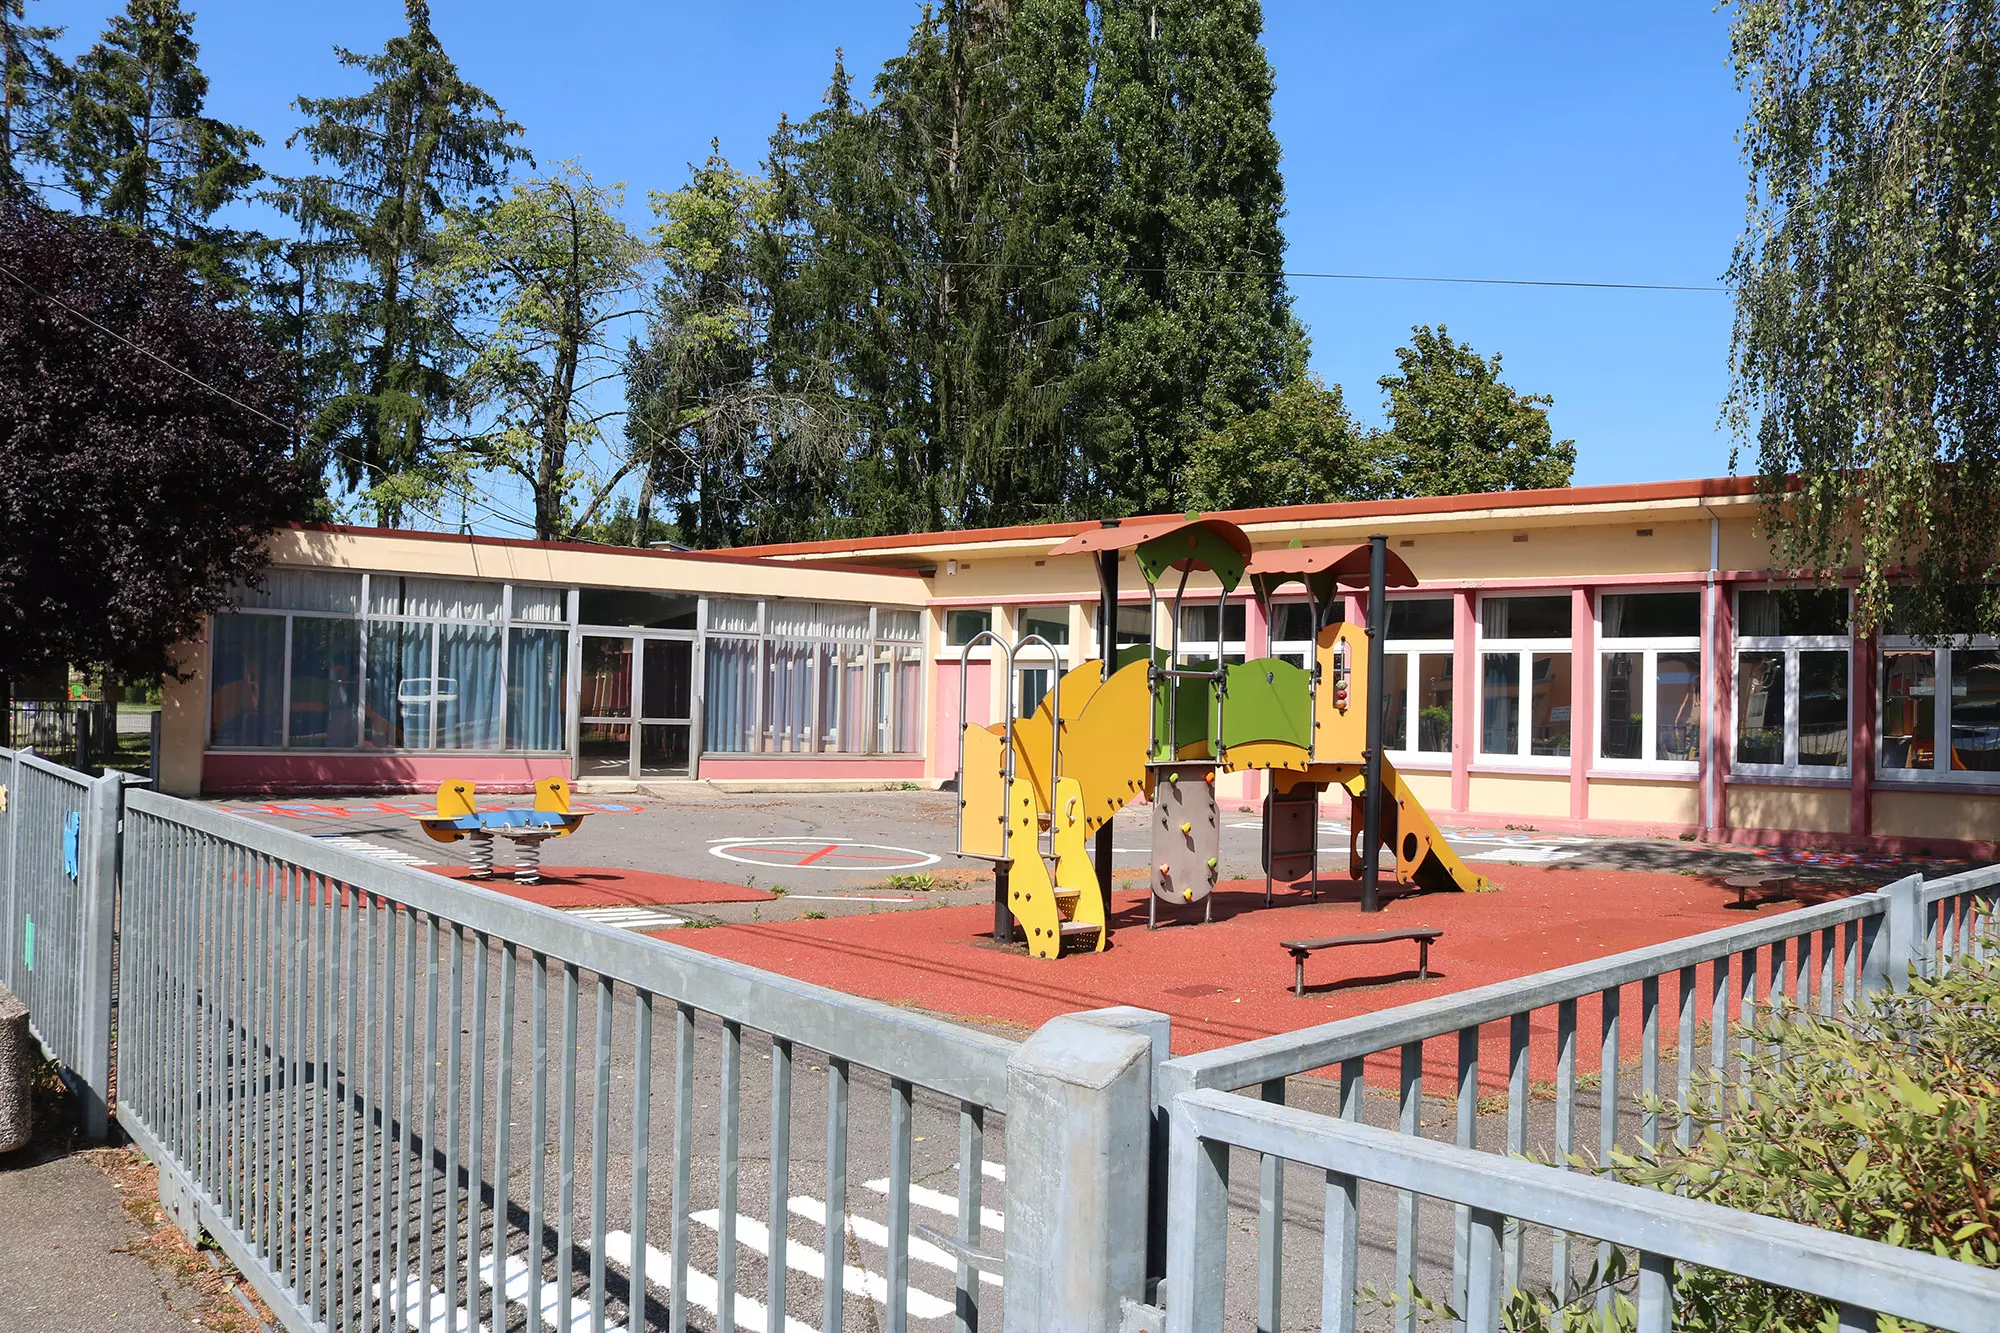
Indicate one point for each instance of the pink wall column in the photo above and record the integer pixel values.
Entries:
(1719, 671)
(1464, 696)
(1256, 643)
(1861, 740)
(1582, 700)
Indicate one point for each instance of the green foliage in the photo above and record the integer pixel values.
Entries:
(550, 269)
(32, 82)
(137, 150)
(1456, 428)
(1302, 449)
(387, 348)
(1866, 354)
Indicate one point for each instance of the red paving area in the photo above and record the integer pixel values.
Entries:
(606, 886)
(1230, 981)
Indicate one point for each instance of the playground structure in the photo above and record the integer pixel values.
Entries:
(1035, 790)
(458, 816)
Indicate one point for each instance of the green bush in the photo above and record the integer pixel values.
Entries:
(1884, 1125)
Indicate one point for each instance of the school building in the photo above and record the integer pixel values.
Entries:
(1609, 659)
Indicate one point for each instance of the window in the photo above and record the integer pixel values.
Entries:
(327, 660)
(1649, 679)
(1135, 625)
(1417, 659)
(1198, 631)
(1792, 682)
(793, 677)
(1051, 622)
(962, 627)
(1524, 689)
(1034, 687)
(1292, 633)
(636, 608)
(1949, 734)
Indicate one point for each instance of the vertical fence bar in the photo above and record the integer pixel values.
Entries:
(566, 1160)
(475, 1138)
(1649, 1062)
(901, 1118)
(1718, 1029)
(428, 1123)
(454, 1057)
(971, 1183)
(1340, 1268)
(538, 1143)
(1465, 1135)
(642, 1152)
(1656, 1294)
(1517, 1137)
(1607, 1114)
(1482, 1297)
(1565, 1135)
(99, 867)
(374, 1095)
(837, 1089)
(1747, 1014)
(503, 1140)
(600, 1154)
(1270, 1222)
(1409, 1120)
(726, 1185)
(781, 1180)
(683, 1162)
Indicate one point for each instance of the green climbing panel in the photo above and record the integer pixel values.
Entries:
(1268, 699)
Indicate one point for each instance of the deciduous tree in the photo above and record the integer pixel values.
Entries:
(1304, 448)
(143, 439)
(1455, 427)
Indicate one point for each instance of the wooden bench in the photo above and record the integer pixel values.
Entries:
(1302, 949)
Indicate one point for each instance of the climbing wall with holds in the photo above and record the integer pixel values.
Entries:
(1187, 831)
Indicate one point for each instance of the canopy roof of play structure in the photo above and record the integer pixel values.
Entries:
(1224, 549)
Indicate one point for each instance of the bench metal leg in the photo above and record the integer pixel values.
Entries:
(1423, 960)
(1299, 974)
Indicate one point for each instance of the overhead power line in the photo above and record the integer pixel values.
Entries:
(1346, 277)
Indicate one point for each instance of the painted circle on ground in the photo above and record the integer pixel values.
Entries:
(821, 854)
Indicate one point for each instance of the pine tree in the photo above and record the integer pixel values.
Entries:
(137, 150)
(416, 144)
(32, 79)
(1197, 326)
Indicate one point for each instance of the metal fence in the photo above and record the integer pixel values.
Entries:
(1860, 1277)
(397, 1101)
(58, 903)
(1573, 1059)
(72, 729)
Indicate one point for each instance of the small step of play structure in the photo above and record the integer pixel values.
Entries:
(458, 816)
(1035, 792)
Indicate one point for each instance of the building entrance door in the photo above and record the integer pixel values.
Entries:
(635, 709)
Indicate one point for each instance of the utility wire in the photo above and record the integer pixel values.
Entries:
(232, 399)
(1343, 277)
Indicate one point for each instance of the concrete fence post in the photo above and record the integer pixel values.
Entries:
(1157, 1028)
(98, 867)
(1079, 1145)
(1905, 924)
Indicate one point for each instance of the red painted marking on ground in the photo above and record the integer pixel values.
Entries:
(832, 851)
(1230, 981)
(607, 886)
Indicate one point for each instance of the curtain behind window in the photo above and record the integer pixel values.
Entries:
(537, 681)
(247, 693)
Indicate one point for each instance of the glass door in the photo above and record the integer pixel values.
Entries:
(666, 707)
(604, 707)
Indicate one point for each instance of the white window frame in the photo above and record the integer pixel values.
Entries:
(1411, 651)
(1940, 773)
(1524, 650)
(1280, 647)
(1648, 650)
(1200, 650)
(1791, 645)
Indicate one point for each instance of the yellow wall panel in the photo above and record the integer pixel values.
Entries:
(1433, 790)
(1647, 802)
(1511, 794)
(1972, 816)
(1805, 809)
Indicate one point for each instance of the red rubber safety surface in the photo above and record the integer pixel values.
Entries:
(608, 886)
(1229, 981)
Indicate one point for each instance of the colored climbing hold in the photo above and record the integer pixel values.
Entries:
(1187, 826)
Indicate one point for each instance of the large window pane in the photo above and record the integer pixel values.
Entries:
(840, 718)
(303, 590)
(454, 599)
(326, 683)
(1677, 707)
(1791, 611)
(728, 616)
(537, 680)
(1434, 703)
(1051, 622)
(543, 606)
(1909, 709)
(1622, 729)
(1650, 615)
(1500, 704)
(667, 690)
(401, 686)
(1292, 622)
(1198, 623)
(1424, 618)
(962, 627)
(607, 677)
(604, 749)
(468, 687)
(899, 626)
(1398, 689)
(1525, 617)
(1823, 709)
(908, 737)
(729, 698)
(639, 609)
(247, 680)
(788, 697)
(1760, 708)
(1975, 710)
(1548, 705)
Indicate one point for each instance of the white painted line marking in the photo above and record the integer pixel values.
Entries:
(347, 842)
(702, 1290)
(809, 853)
(924, 1197)
(874, 1233)
(802, 1258)
(415, 1308)
(848, 898)
(550, 1295)
(1530, 856)
(628, 918)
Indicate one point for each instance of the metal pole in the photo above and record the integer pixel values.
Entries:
(1371, 758)
(1107, 649)
(1003, 915)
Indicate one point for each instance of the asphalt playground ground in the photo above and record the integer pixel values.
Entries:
(861, 891)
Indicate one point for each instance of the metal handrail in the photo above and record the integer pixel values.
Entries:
(1009, 654)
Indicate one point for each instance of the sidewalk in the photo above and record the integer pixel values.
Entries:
(83, 1245)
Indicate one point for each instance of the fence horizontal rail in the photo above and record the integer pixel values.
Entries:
(1861, 1276)
(399, 1100)
(1250, 1063)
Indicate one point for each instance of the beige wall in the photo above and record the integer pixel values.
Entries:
(1806, 809)
(1972, 816)
(1645, 802)
(184, 722)
(1433, 790)
(1509, 794)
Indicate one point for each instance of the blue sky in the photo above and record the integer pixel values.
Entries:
(1574, 141)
